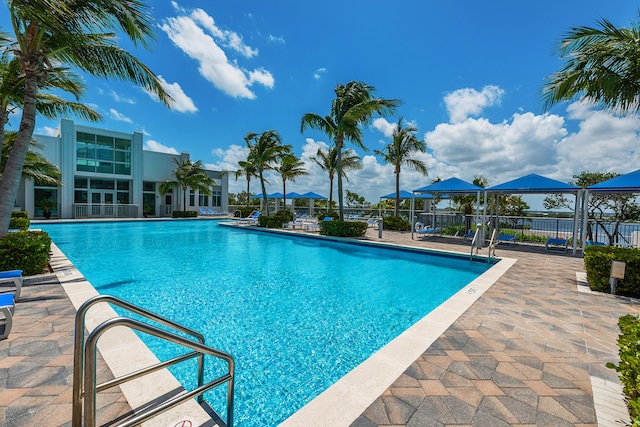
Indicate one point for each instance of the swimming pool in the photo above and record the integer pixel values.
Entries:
(296, 313)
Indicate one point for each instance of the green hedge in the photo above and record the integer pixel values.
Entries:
(597, 263)
(19, 220)
(395, 223)
(343, 228)
(629, 367)
(275, 220)
(184, 214)
(25, 250)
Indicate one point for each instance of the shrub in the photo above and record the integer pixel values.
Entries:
(19, 214)
(25, 250)
(629, 367)
(184, 214)
(275, 220)
(19, 223)
(395, 223)
(453, 230)
(343, 228)
(597, 263)
(245, 211)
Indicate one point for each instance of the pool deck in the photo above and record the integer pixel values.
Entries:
(530, 351)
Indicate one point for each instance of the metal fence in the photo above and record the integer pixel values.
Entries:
(90, 210)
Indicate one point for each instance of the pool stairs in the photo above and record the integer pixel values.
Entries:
(85, 388)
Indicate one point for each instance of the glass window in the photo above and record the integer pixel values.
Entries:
(123, 185)
(105, 141)
(122, 156)
(83, 166)
(203, 200)
(123, 169)
(192, 198)
(81, 183)
(148, 186)
(216, 198)
(123, 197)
(85, 137)
(102, 184)
(80, 196)
(104, 167)
(123, 144)
(105, 153)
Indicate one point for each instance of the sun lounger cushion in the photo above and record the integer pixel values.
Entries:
(557, 244)
(507, 239)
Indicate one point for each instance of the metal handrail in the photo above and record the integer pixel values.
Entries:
(492, 244)
(82, 369)
(473, 242)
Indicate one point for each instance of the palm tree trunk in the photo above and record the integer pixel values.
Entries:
(264, 195)
(184, 198)
(284, 194)
(12, 173)
(397, 194)
(339, 143)
(248, 194)
(330, 193)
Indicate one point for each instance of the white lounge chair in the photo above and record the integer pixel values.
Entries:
(13, 279)
(424, 231)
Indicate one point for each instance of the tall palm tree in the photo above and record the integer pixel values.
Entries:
(601, 66)
(398, 152)
(188, 175)
(290, 168)
(247, 169)
(353, 106)
(36, 166)
(328, 162)
(81, 34)
(265, 151)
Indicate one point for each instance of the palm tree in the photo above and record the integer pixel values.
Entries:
(188, 175)
(36, 166)
(265, 151)
(81, 34)
(353, 106)
(328, 162)
(601, 66)
(247, 169)
(399, 151)
(290, 168)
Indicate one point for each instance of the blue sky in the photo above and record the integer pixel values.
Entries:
(469, 74)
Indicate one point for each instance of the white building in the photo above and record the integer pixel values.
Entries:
(107, 174)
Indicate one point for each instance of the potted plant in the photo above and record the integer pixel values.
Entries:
(146, 210)
(46, 205)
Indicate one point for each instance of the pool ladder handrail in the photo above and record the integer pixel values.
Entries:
(84, 363)
(476, 236)
(492, 244)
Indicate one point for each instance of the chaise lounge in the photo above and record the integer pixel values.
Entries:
(507, 239)
(13, 279)
(557, 244)
(7, 307)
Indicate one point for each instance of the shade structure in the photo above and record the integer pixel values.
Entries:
(533, 184)
(312, 195)
(294, 195)
(269, 196)
(450, 186)
(628, 183)
(404, 194)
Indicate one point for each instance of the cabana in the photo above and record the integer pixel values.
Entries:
(450, 187)
(628, 183)
(311, 196)
(404, 194)
(537, 184)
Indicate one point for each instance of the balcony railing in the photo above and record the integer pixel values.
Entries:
(90, 210)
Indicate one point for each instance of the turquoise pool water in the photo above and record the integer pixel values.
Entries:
(296, 313)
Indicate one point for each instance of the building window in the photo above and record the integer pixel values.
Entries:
(102, 154)
(216, 198)
(203, 200)
(192, 198)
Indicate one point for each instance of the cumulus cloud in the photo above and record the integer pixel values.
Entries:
(197, 35)
(151, 145)
(317, 74)
(466, 102)
(229, 158)
(183, 103)
(123, 99)
(116, 115)
(384, 126)
(48, 131)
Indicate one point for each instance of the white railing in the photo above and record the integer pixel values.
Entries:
(90, 210)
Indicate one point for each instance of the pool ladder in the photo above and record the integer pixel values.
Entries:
(475, 246)
(84, 364)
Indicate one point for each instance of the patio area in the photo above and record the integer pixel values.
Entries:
(530, 351)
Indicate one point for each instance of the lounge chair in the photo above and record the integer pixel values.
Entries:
(468, 237)
(252, 219)
(203, 211)
(315, 226)
(423, 231)
(590, 243)
(507, 239)
(7, 307)
(557, 244)
(11, 278)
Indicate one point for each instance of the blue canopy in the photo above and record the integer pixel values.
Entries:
(533, 183)
(404, 194)
(450, 186)
(312, 195)
(629, 183)
(269, 196)
(294, 195)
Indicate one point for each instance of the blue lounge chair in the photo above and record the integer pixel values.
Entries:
(557, 244)
(590, 243)
(423, 231)
(203, 211)
(7, 307)
(12, 278)
(507, 239)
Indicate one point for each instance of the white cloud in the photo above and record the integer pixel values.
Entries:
(384, 126)
(49, 131)
(118, 98)
(183, 103)
(319, 73)
(466, 102)
(274, 39)
(151, 145)
(119, 116)
(199, 37)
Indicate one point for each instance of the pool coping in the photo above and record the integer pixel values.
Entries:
(340, 404)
